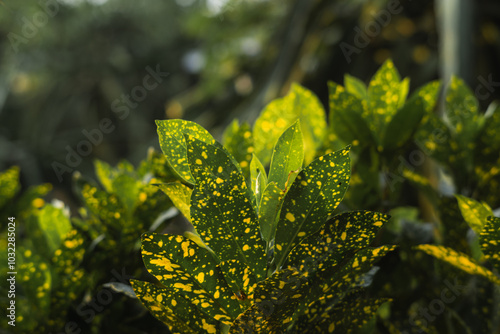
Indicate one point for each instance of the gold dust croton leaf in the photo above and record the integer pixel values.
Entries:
(180, 195)
(288, 156)
(274, 302)
(238, 141)
(405, 121)
(299, 104)
(177, 312)
(173, 144)
(346, 116)
(458, 260)
(341, 236)
(223, 214)
(269, 208)
(339, 281)
(385, 94)
(9, 185)
(314, 195)
(191, 271)
(327, 316)
(489, 240)
(474, 213)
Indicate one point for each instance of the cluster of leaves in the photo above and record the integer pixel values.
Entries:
(244, 198)
(395, 138)
(62, 261)
(265, 257)
(279, 243)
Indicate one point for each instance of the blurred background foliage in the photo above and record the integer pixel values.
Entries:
(225, 59)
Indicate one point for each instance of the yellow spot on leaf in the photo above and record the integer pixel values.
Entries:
(200, 277)
(290, 217)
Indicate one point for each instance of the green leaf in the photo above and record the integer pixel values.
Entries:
(458, 260)
(239, 143)
(180, 195)
(191, 271)
(432, 135)
(275, 300)
(258, 178)
(105, 174)
(36, 281)
(68, 257)
(384, 95)
(343, 317)
(403, 91)
(346, 119)
(474, 213)
(405, 121)
(490, 241)
(355, 87)
(277, 116)
(127, 189)
(288, 156)
(177, 312)
(269, 209)
(55, 225)
(9, 185)
(222, 211)
(462, 111)
(316, 192)
(344, 233)
(173, 144)
(338, 282)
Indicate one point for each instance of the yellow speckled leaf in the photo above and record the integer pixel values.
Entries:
(9, 184)
(459, 260)
(346, 120)
(180, 195)
(222, 210)
(288, 156)
(258, 178)
(36, 281)
(490, 241)
(462, 112)
(316, 192)
(274, 302)
(300, 103)
(191, 271)
(173, 144)
(177, 312)
(238, 141)
(405, 121)
(326, 316)
(340, 237)
(269, 208)
(384, 96)
(474, 213)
